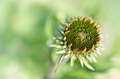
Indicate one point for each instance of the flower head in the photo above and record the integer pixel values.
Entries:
(80, 39)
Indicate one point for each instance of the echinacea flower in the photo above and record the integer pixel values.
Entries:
(80, 39)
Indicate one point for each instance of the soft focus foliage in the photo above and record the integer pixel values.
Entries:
(27, 28)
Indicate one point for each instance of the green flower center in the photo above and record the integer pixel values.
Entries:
(81, 34)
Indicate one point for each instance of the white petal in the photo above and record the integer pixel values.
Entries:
(72, 60)
(67, 56)
(63, 46)
(53, 45)
(57, 46)
(89, 58)
(60, 37)
(93, 58)
(62, 32)
(88, 66)
(61, 42)
(61, 52)
(100, 44)
(98, 52)
(81, 60)
(95, 54)
(58, 62)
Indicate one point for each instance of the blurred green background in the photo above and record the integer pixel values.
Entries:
(26, 31)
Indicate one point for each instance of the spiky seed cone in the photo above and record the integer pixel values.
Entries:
(80, 38)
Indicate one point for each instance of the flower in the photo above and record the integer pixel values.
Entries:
(80, 39)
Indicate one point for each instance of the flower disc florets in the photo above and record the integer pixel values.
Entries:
(81, 35)
(80, 38)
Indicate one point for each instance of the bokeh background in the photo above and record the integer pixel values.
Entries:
(26, 31)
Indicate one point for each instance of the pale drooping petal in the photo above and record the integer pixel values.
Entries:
(61, 52)
(72, 60)
(88, 66)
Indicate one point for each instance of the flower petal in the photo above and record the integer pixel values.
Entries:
(61, 52)
(58, 62)
(81, 60)
(95, 54)
(88, 66)
(67, 56)
(93, 58)
(54, 45)
(89, 58)
(72, 60)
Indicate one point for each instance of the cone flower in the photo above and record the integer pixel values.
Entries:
(79, 39)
